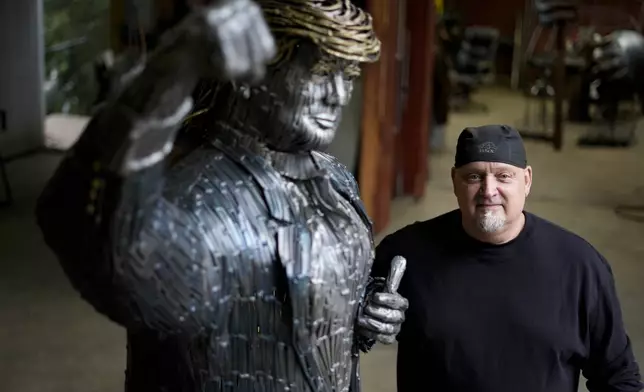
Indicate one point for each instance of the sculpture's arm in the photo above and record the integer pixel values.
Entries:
(135, 256)
(122, 245)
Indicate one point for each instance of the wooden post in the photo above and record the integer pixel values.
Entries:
(417, 115)
(379, 111)
(390, 101)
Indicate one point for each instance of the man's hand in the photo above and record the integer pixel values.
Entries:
(384, 312)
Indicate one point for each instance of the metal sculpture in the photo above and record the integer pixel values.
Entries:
(234, 252)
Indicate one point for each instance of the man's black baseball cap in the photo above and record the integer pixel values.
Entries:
(490, 143)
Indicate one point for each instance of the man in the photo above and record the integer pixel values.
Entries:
(500, 299)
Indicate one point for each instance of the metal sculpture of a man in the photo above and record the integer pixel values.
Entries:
(197, 212)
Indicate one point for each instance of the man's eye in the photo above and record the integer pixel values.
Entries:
(473, 177)
(505, 176)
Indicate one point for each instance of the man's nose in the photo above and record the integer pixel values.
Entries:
(488, 188)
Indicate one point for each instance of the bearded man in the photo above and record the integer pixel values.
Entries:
(500, 299)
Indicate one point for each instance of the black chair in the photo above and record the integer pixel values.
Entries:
(474, 65)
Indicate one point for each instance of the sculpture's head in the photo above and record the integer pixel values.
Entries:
(321, 45)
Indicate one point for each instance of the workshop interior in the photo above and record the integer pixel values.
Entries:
(568, 75)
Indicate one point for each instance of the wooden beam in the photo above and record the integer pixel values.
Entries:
(378, 127)
(389, 96)
(417, 114)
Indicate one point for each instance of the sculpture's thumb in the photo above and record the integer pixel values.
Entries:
(396, 271)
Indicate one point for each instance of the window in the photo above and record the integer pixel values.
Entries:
(76, 33)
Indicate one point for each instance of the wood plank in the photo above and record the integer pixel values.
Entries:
(370, 126)
(378, 118)
(389, 95)
(418, 111)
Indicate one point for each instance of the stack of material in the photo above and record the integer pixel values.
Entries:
(556, 11)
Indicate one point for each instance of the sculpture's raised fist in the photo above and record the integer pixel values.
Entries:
(227, 39)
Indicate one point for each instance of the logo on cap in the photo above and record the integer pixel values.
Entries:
(487, 148)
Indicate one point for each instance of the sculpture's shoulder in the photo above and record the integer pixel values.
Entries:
(222, 199)
(342, 181)
(182, 177)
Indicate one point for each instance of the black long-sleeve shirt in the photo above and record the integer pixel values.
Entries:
(525, 316)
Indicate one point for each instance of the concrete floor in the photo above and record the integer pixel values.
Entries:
(50, 341)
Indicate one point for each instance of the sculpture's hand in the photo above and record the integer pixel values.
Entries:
(119, 157)
(384, 311)
(226, 40)
(230, 39)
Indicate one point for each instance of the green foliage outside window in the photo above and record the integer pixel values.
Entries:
(76, 33)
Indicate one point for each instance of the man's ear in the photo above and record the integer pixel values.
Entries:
(528, 179)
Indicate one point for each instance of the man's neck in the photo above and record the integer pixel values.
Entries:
(509, 232)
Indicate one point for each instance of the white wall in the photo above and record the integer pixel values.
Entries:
(21, 75)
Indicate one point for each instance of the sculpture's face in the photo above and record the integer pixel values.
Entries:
(300, 104)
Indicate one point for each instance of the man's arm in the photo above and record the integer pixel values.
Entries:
(610, 365)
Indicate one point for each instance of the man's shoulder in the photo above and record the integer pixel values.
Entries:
(417, 242)
(570, 246)
(547, 229)
(427, 230)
